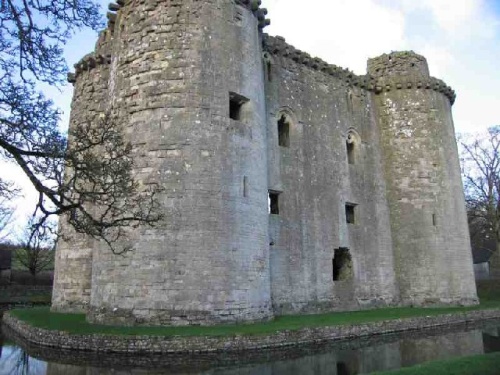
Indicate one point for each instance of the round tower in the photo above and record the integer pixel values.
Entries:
(186, 83)
(73, 261)
(424, 189)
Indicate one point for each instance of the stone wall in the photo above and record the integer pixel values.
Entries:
(199, 344)
(316, 181)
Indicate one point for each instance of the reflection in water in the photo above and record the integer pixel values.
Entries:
(342, 358)
(15, 361)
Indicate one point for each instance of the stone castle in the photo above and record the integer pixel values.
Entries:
(290, 185)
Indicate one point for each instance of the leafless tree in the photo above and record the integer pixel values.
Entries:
(36, 249)
(91, 182)
(480, 159)
(6, 212)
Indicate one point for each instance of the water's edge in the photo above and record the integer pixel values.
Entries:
(239, 343)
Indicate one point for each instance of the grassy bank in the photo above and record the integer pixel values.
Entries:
(75, 323)
(486, 364)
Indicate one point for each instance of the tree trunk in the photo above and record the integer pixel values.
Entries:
(495, 263)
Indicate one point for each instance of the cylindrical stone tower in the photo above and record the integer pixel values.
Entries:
(186, 83)
(73, 261)
(427, 210)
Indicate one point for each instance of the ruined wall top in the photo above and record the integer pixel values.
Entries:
(394, 71)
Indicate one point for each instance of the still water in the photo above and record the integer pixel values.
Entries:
(342, 358)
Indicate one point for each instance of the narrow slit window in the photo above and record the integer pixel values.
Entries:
(274, 208)
(434, 220)
(350, 213)
(236, 103)
(283, 132)
(350, 145)
(245, 186)
(269, 71)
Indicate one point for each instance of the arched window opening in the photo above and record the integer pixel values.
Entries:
(283, 131)
(352, 144)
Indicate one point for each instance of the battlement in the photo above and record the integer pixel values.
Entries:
(260, 13)
(253, 5)
(88, 62)
(278, 46)
(394, 71)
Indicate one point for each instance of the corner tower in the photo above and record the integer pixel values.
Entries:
(186, 81)
(424, 189)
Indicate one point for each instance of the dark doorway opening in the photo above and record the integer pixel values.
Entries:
(342, 264)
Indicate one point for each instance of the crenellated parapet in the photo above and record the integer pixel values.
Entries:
(253, 5)
(260, 13)
(87, 63)
(400, 83)
(405, 70)
(278, 46)
(112, 14)
(395, 71)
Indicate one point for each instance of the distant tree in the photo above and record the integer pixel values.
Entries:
(35, 251)
(480, 158)
(92, 181)
(6, 212)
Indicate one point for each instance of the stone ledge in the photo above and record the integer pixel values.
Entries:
(207, 344)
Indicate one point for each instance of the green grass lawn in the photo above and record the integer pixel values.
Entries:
(486, 364)
(75, 323)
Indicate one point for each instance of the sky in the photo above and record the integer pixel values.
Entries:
(459, 38)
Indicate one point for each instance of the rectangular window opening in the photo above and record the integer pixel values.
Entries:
(350, 213)
(283, 132)
(342, 264)
(236, 103)
(274, 208)
(434, 220)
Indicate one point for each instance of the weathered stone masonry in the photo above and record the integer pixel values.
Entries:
(361, 171)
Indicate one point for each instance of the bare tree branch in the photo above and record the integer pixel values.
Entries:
(91, 181)
(480, 160)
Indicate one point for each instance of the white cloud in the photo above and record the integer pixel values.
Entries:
(458, 18)
(342, 32)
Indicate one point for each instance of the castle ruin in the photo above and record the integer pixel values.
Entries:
(289, 185)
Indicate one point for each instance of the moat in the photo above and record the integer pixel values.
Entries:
(361, 356)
